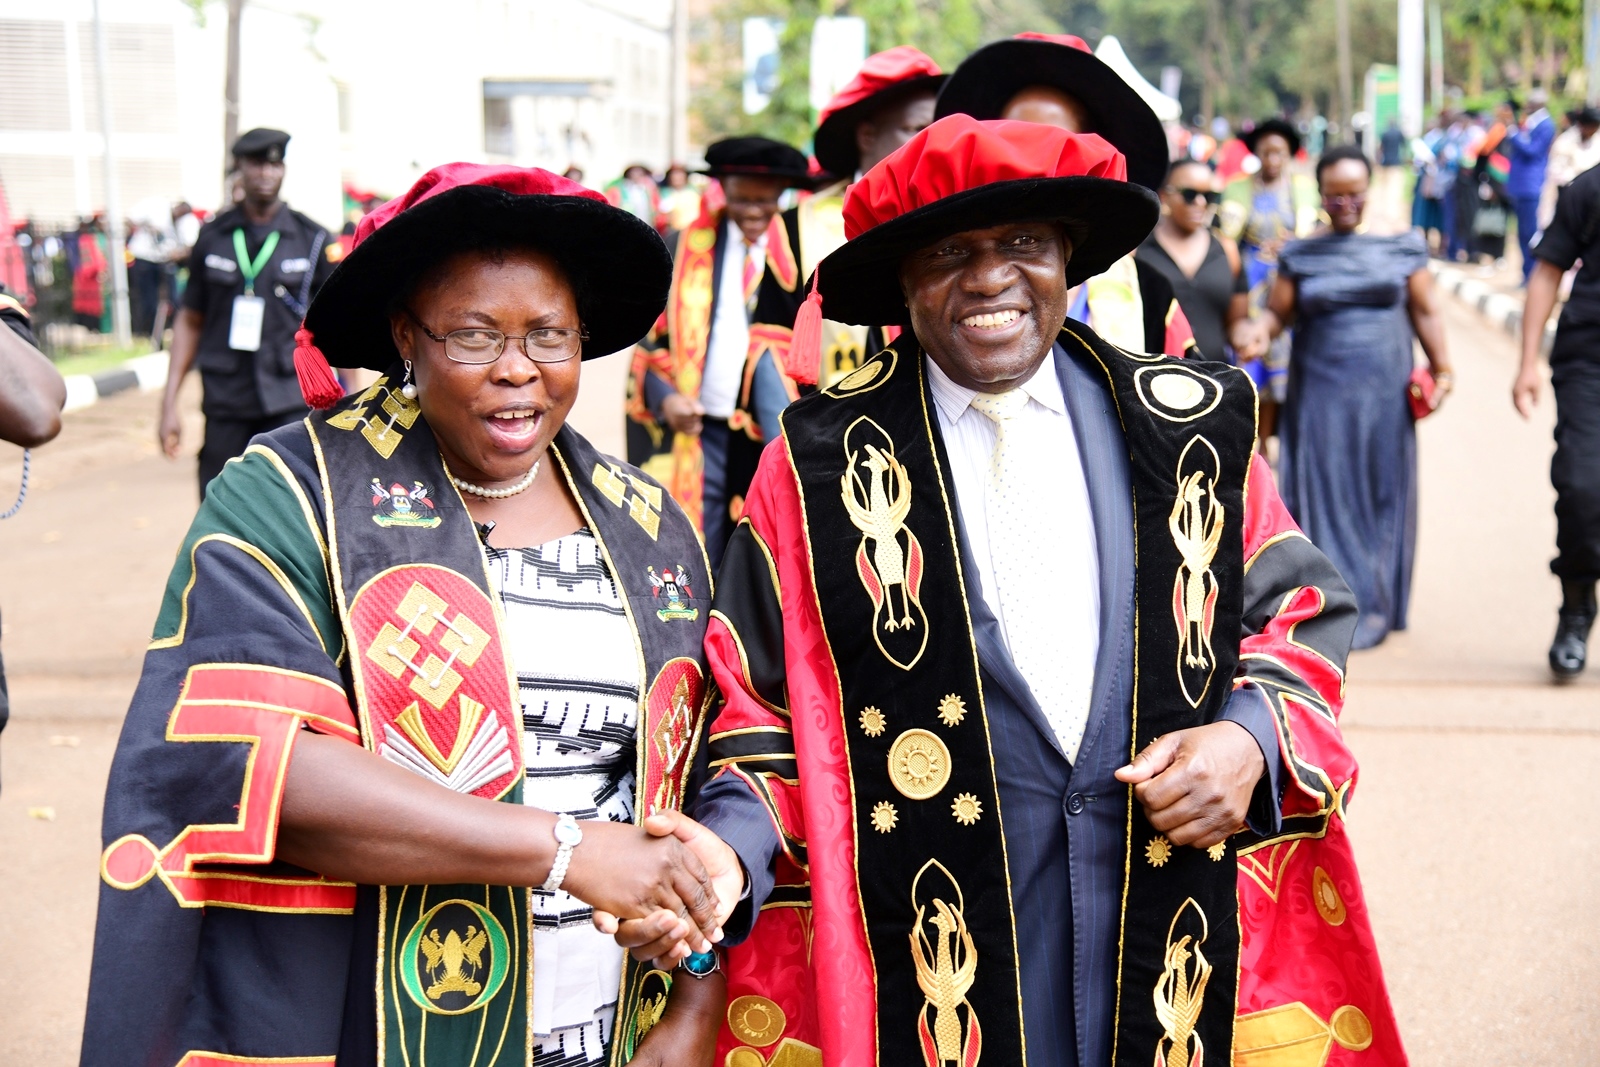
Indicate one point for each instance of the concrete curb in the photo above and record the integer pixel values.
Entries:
(144, 373)
(1501, 309)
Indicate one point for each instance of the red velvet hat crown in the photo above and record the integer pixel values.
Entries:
(882, 70)
(458, 207)
(1056, 38)
(519, 181)
(960, 153)
(882, 77)
(961, 174)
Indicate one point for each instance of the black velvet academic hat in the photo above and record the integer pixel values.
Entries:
(757, 156)
(261, 143)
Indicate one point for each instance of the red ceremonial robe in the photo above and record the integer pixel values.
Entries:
(802, 988)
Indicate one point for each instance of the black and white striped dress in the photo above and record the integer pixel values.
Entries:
(578, 672)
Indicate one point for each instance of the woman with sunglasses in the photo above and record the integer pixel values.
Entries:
(1203, 267)
(1348, 464)
(426, 687)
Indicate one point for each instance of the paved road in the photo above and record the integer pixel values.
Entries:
(1482, 884)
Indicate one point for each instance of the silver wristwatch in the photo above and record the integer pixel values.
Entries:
(568, 835)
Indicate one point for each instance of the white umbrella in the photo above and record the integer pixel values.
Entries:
(1111, 54)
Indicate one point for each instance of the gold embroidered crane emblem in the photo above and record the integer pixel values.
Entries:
(881, 519)
(1179, 994)
(454, 961)
(1196, 527)
(876, 492)
(947, 965)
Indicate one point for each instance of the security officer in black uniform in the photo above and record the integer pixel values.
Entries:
(253, 270)
(1572, 236)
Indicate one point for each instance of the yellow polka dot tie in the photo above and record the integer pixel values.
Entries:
(1032, 568)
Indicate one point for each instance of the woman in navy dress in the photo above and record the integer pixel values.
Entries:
(1348, 460)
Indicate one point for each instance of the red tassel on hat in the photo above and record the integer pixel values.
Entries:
(805, 346)
(317, 381)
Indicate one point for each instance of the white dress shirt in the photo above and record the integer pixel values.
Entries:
(730, 329)
(1068, 586)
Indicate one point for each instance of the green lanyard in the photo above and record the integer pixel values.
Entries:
(250, 268)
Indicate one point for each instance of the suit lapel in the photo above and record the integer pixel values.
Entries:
(1105, 462)
(719, 257)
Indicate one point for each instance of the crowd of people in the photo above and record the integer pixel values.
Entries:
(1479, 177)
(969, 415)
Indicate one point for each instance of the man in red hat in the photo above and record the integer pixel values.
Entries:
(1030, 678)
(888, 102)
(707, 385)
(1054, 79)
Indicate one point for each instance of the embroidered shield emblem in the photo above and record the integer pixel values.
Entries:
(671, 590)
(455, 958)
(434, 685)
(399, 506)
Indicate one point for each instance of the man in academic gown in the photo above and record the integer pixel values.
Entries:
(1054, 79)
(888, 102)
(1030, 743)
(707, 385)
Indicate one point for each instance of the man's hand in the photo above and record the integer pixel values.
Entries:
(625, 870)
(686, 1036)
(1195, 785)
(1525, 391)
(683, 414)
(169, 430)
(663, 936)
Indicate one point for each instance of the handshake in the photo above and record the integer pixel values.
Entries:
(662, 889)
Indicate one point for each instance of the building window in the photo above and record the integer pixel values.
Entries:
(499, 134)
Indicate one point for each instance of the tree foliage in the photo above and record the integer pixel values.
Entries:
(945, 29)
(1240, 58)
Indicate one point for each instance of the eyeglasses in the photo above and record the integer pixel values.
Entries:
(1191, 195)
(1345, 200)
(476, 347)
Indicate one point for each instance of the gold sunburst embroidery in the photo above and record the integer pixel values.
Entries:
(921, 764)
(884, 817)
(1158, 851)
(952, 709)
(1217, 851)
(967, 809)
(872, 721)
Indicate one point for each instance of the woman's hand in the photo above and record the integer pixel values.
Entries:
(630, 871)
(1444, 382)
(662, 937)
(686, 1036)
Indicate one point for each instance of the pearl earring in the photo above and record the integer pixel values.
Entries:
(408, 388)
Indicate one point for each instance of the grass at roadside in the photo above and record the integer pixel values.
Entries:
(99, 360)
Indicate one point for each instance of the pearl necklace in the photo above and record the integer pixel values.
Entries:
(494, 494)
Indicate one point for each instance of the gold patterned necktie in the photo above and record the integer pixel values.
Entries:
(1030, 561)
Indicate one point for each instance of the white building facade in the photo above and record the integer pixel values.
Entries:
(374, 93)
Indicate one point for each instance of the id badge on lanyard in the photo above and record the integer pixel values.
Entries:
(249, 310)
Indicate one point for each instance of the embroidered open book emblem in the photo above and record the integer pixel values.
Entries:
(433, 680)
